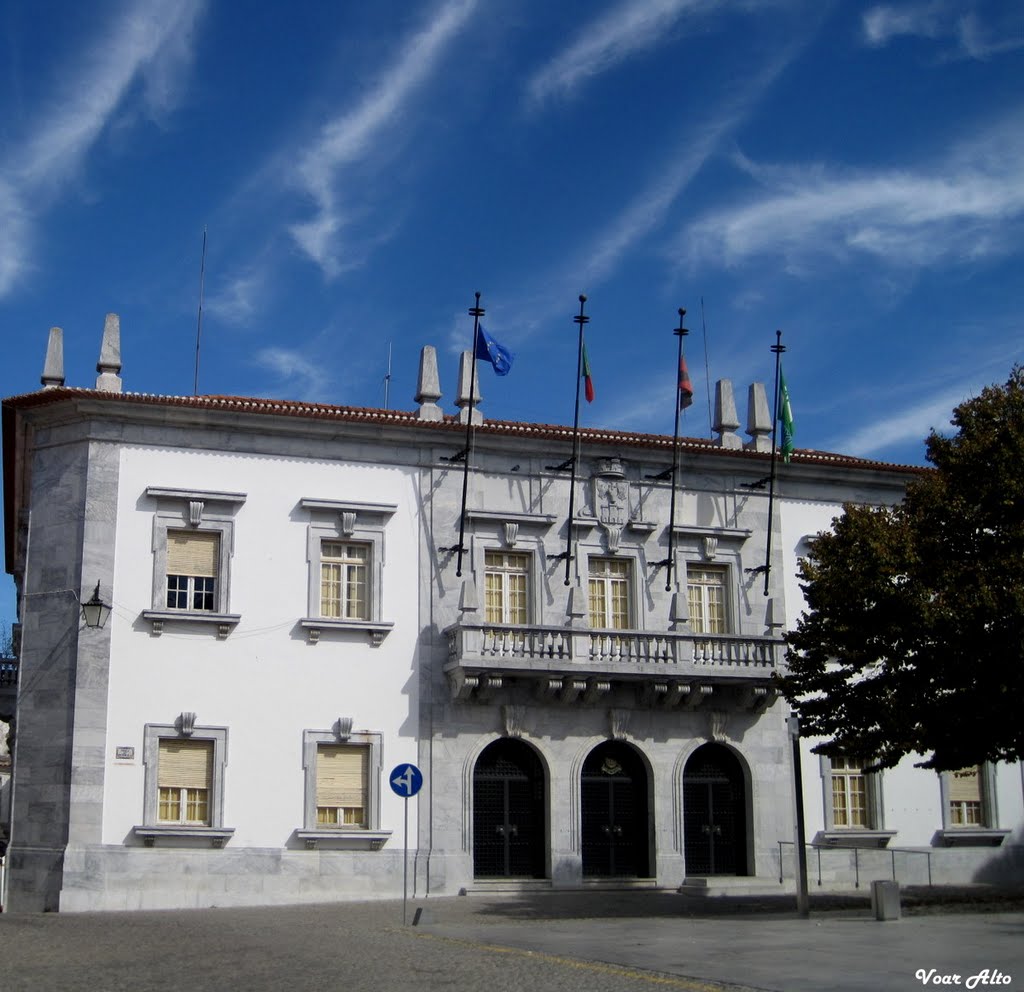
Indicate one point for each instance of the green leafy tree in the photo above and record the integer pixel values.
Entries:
(913, 637)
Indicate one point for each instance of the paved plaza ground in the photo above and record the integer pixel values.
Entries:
(593, 941)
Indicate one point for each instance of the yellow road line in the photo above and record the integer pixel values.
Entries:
(690, 984)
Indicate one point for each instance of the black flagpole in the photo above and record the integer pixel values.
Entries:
(778, 348)
(580, 320)
(476, 312)
(681, 333)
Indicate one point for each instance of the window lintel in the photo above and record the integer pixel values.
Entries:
(203, 495)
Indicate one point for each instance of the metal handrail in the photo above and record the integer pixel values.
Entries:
(892, 851)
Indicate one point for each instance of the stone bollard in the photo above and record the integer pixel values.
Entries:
(885, 900)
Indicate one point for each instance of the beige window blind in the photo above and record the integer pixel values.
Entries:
(341, 774)
(185, 764)
(965, 785)
(190, 553)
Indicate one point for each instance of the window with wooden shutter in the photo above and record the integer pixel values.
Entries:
(966, 797)
(705, 587)
(341, 785)
(184, 779)
(609, 589)
(192, 559)
(506, 578)
(849, 793)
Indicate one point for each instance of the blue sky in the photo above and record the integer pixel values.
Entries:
(852, 174)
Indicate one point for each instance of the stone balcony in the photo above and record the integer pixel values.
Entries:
(663, 668)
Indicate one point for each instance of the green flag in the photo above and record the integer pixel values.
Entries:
(785, 414)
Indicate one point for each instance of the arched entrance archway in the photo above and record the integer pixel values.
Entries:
(613, 807)
(508, 812)
(714, 813)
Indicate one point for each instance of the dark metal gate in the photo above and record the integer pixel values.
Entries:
(613, 801)
(508, 812)
(714, 813)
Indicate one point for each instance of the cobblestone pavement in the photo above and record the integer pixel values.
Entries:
(596, 942)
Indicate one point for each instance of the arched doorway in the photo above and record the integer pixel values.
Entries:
(613, 807)
(714, 813)
(508, 812)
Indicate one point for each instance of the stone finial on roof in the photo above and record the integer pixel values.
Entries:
(726, 422)
(428, 386)
(759, 419)
(462, 400)
(109, 365)
(53, 369)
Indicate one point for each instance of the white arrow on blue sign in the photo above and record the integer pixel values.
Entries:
(406, 780)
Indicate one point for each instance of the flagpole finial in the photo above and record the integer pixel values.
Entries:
(778, 348)
(583, 297)
(476, 311)
(680, 331)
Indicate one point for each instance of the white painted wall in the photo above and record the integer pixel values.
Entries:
(264, 682)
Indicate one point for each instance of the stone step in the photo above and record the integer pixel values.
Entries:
(734, 885)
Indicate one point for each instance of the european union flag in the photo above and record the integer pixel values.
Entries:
(488, 350)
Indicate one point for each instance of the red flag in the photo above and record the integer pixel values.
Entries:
(685, 386)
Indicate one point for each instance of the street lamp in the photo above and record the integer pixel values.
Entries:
(94, 611)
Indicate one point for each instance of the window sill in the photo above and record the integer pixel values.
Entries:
(355, 839)
(376, 629)
(853, 837)
(179, 831)
(970, 837)
(224, 622)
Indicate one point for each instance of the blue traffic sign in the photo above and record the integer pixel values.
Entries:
(406, 780)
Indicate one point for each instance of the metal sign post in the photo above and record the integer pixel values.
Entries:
(406, 780)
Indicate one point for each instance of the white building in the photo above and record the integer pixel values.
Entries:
(289, 623)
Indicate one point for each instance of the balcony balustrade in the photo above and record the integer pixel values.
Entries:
(668, 663)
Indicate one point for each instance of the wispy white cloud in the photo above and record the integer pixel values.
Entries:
(295, 375)
(966, 207)
(978, 30)
(146, 45)
(236, 301)
(899, 427)
(630, 27)
(649, 209)
(352, 137)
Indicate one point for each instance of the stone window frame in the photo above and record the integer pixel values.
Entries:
(347, 522)
(988, 833)
(513, 542)
(184, 728)
(204, 512)
(874, 833)
(369, 837)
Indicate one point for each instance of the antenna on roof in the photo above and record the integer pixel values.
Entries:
(707, 368)
(387, 379)
(199, 318)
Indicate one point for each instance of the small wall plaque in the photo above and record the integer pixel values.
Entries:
(125, 754)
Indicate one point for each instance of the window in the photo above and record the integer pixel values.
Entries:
(849, 793)
(853, 803)
(705, 587)
(192, 570)
(342, 796)
(345, 549)
(965, 798)
(185, 778)
(969, 813)
(342, 773)
(609, 593)
(184, 783)
(344, 580)
(506, 578)
(193, 544)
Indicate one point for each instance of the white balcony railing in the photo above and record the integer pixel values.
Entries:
(526, 647)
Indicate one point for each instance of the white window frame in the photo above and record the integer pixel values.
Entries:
(152, 827)
(727, 598)
(988, 832)
(201, 512)
(347, 522)
(504, 572)
(347, 563)
(873, 833)
(369, 836)
(630, 580)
